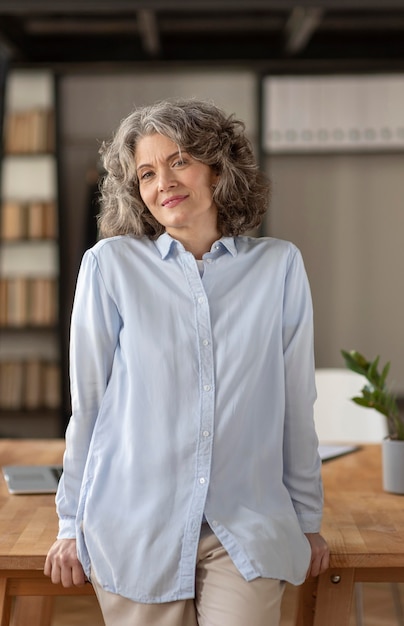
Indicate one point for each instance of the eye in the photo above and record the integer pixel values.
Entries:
(146, 175)
(180, 161)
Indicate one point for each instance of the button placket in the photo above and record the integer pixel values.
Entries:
(206, 377)
(207, 386)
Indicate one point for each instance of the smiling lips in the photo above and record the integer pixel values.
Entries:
(173, 201)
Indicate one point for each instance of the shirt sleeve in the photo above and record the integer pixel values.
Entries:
(302, 464)
(95, 327)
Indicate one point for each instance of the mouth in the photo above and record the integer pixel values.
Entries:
(173, 201)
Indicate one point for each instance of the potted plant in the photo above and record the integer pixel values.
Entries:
(376, 395)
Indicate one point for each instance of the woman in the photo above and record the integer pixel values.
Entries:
(191, 487)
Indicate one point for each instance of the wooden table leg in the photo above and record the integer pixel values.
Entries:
(306, 602)
(5, 603)
(334, 597)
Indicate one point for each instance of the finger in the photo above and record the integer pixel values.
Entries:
(316, 567)
(319, 564)
(51, 569)
(66, 577)
(47, 567)
(55, 574)
(78, 575)
(312, 570)
(325, 562)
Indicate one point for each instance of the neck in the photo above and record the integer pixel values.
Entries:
(197, 245)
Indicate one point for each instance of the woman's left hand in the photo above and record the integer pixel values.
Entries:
(320, 554)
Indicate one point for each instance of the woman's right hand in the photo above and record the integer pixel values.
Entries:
(62, 564)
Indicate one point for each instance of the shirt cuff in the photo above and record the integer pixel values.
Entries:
(310, 524)
(67, 528)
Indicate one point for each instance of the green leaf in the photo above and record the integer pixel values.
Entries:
(384, 374)
(363, 402)
(373, 373)
(375, 394)
(355, 362)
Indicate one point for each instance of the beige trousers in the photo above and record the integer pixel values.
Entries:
(222, 597)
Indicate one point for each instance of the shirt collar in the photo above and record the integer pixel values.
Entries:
(165, 243)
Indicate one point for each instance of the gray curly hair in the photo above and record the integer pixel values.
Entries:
(209, 136)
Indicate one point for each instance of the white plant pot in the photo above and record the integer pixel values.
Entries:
(393, 465)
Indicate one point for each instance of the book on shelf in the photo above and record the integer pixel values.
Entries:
(12, 220)
(3, 301)
(17, 301)
(11, 384)
(49, 220)
(28, 302)
(41, 220)
(35, 218)
(29, 131)
(52, 380)
(33, 384)
(29, 384)
(42, 298)
(31, 220)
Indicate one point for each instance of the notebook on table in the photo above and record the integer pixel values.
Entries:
(25, 479)
(333, 451)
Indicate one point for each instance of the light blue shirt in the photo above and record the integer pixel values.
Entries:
(191, 395)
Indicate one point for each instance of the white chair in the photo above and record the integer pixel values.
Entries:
(337, 418)
(340, 420)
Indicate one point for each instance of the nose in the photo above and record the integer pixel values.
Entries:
(166, 179)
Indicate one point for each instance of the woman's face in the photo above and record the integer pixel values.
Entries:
(175, 187)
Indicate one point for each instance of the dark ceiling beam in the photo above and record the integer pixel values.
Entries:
(231, 24)
(98, 26)
(299, 28)
(39, 7)
(226, 24)
(149, 33)
(76, 26)
(281, 66)
(366, 22)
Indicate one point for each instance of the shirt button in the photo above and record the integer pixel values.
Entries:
(217, 247)
(205, 342)
(207, 387)
(215, 523)
(206, 433)
(201, 300)
(202, 481)
(209, 260)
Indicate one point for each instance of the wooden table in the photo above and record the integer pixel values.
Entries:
(364, 527)
(28, 527)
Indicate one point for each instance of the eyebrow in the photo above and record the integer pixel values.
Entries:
(170, 156)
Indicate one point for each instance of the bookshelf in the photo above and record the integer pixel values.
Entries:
(30, 350)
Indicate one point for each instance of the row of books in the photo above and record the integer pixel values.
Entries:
(28, 220)
(28, 302)
(32, 384)
(29, 131)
